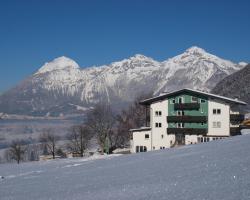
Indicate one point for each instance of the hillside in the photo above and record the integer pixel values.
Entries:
(236, 85)
(62, 87)
(214, 170)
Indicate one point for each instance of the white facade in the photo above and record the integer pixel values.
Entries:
(158, 123)
(140, 140)
(218, 123)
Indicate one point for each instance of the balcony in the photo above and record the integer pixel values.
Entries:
(187, 119)
(186, 106)
(187, 131)
(235, 131)
(237, 118)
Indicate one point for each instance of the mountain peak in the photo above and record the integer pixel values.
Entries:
(195, 50)
(139, 57)
(58, 64)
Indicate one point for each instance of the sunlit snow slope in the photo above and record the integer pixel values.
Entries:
(214, 170)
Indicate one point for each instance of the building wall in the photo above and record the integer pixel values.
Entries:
(191, 139)
(140, 140)
(160, 139)
(223, 118)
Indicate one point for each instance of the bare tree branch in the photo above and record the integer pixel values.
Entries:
(49, 140)
(79, 139)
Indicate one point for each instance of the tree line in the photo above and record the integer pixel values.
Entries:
(111, 131)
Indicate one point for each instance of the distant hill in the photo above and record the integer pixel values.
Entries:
(236, 85)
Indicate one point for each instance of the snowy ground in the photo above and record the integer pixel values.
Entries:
(215, 170)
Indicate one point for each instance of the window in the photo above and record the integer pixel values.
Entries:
(158, 125)
(180, 125)
(163, 147)
(194, 99)
(216, 124)
(146, 136)
(137, 149)
(157, 113)
(162, 136)
(180, 113)
(216, 111)
(141, 148)
(202, 110)
(180, 100)
(203, 101)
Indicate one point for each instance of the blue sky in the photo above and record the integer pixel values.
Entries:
(96, 32)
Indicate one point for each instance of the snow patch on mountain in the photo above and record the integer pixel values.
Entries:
(59, 63)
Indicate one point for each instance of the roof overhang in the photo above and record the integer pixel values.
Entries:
(205, 94)
(140, 129)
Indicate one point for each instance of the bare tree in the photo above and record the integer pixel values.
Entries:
(133, 117)
(16, 150)
(49, 140)
(33, 152)
(101, 121)
(7, 156)
(78, 139)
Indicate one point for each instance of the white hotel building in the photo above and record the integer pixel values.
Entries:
(186, 117)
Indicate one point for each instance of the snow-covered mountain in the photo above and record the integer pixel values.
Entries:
(62, 87)
(236, 85)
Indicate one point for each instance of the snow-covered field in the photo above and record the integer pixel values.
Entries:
(214, 170)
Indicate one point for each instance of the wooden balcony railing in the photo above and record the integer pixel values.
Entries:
(187, 119)
(237, 118)
(187, 131)
(235, 131)
(186, 106)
